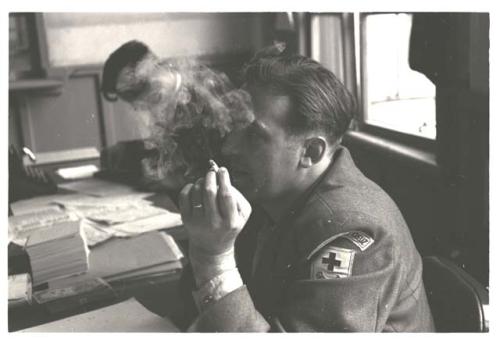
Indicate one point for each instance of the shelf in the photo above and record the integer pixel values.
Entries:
(35, 84)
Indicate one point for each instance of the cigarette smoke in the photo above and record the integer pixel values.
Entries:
(187, 108)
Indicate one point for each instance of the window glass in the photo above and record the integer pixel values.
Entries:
(395, 96)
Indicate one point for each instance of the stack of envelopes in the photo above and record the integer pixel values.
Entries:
(57, 251)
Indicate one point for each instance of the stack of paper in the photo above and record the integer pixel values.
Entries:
(106, 209)
(57, 251)
(119, 263)
(149, 255)
(121, 216)
(19, 289)
(21, 226)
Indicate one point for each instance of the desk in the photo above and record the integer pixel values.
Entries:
(127, 316)
(36, 314)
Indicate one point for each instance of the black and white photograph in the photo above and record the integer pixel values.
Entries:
(220, 169)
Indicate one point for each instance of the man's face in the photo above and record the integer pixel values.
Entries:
(263, 157)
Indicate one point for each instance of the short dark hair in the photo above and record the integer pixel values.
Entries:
(320, 100)
(128, 54)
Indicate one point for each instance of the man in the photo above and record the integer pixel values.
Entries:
(326, 249)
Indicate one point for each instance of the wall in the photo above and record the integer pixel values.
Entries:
(88, 38)
(74, 47)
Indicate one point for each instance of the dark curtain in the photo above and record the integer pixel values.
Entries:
(451, 49)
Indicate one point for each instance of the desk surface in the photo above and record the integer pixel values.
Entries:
(127, 316)
(22, 317)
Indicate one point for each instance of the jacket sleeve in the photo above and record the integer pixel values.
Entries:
(235, 312)
(355, 296)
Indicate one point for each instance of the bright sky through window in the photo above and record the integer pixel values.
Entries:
(396, 97)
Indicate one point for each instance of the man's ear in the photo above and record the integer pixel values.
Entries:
(314, 151)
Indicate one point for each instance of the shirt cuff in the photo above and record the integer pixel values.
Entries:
(217, 288)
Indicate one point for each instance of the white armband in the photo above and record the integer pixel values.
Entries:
(217, 287)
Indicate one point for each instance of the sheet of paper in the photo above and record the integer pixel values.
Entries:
(77, 172)
(19, 289)
(40, 203)
(113, 210)
(22, 226)
(157, 222)
(150, 273)
(79, 200)
(98, 187)
(119, 256)
(116, 214)
(54, 233)
(95, 234)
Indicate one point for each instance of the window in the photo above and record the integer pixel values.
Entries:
(394, 96)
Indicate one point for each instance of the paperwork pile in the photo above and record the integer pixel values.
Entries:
(57, 251)
(21, 226)
(120, 263)
(19, 289)
(122, 216)
(117, 223)
(103, 217)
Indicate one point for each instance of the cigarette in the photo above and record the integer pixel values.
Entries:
(213, 166)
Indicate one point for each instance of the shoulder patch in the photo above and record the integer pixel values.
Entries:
(332, 262)
(360, 239)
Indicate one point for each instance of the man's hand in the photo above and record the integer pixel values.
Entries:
(214, 213)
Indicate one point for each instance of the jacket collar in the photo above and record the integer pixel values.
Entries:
(339, 173)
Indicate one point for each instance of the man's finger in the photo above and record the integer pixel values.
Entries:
(226, 201)
(210, 194)
(184, 201)
(197, 198)
(242, 204)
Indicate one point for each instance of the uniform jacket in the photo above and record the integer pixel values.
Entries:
(381, 291)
